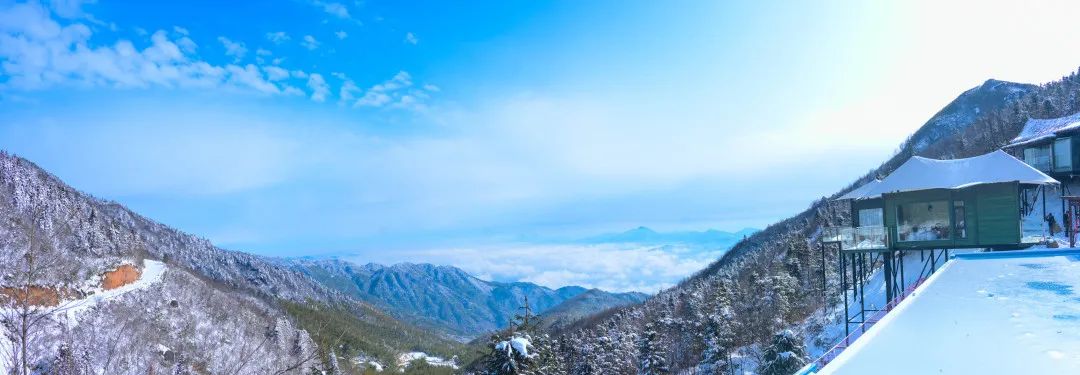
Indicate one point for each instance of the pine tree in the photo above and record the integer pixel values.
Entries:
(785, 355)
(719, 340)
(523, 350)
(651, 353)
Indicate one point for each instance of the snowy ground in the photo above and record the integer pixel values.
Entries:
(69, 311)
(983, 314)
(151, 274)
(405, 358)
(832, 322)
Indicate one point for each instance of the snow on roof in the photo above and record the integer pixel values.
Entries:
(1014, 312)
(860, 191)
(1040, 129)
(920, 173)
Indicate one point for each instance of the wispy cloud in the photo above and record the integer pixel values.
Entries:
(319, 89)
(341, 34)
(411, 38)
(30, 32)
(69, 8)
(338, 10)
(398, 92)
(310, 42)
(276, 73)
(235, 49)
(277, 37)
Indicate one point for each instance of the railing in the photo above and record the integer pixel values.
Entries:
(835, 351)
(857, 238)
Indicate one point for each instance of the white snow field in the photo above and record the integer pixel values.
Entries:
(1012, 312)
(150, 274)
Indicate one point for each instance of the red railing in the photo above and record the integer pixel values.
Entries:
(835, 351)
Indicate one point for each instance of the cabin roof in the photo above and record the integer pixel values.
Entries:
(920, 173)
(1037, 130)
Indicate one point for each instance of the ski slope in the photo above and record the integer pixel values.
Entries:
(983, 313)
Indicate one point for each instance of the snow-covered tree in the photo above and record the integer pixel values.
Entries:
(523, 350)
(651, 353)
(785, 355)
(719, 341)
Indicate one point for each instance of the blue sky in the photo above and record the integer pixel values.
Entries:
(448, 132)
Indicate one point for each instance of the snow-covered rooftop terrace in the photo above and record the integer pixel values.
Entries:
(983, 313)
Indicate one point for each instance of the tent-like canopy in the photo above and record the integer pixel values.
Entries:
(860, 191)
(920, 173)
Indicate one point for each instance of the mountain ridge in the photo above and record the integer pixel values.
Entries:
(241, 295)
(446, 296)
(721, 318)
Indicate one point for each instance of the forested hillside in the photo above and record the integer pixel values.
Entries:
(771, 281)
(207, 309)
(447, 298)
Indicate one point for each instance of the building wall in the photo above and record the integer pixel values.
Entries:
(991, 215)
(998, 207)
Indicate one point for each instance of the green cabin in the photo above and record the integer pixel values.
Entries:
(941, 204)
(1050, 145)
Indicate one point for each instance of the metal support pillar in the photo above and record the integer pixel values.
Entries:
(889, 277)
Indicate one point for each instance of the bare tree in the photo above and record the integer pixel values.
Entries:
(27, 305)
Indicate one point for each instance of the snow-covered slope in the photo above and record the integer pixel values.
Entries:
(213, 310)
(987, 313)
(965, 109)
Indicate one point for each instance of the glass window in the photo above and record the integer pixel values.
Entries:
(923, 221)
(1063, 154)
(871, 217)
(1038, 157)
(959, 219)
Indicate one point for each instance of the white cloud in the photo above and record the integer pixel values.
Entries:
(341, 34)
(411, 38)
(396, 92)
(348, 92)
(310, 42)
(319, 89)
(335, 9)
(235, 49)
(28, 35)
(261, 55)
(276, 73)
(277, 37)
(69, 8)
(180, 30)
(187, 45)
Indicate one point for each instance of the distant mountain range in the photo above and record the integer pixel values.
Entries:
(449, 298)
(647, 236)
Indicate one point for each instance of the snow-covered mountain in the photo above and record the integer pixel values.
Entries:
(449, 298)
(584, 305)
(955, 117)
(729, 315)
(196, 308)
